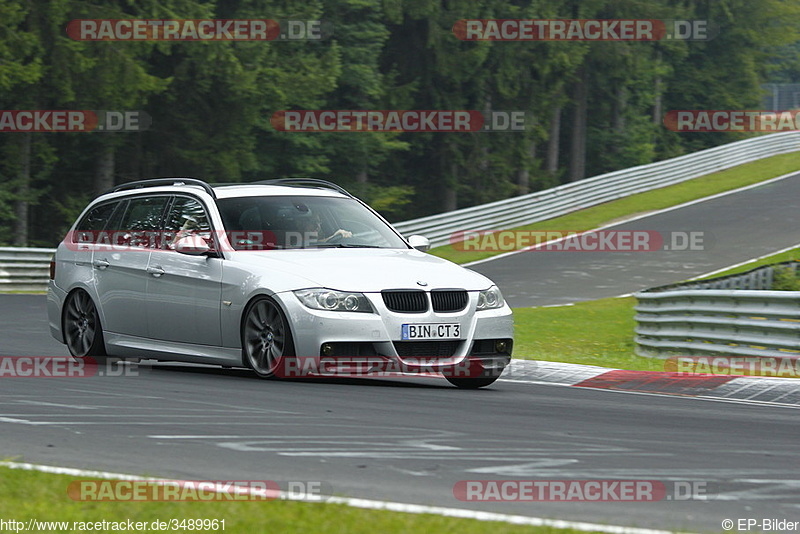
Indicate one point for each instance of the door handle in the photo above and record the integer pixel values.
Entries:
(155, 271)
(101, 264)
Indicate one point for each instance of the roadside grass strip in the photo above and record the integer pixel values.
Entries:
(38, 492)
(595, 332)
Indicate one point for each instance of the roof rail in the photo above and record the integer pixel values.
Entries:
(155, 182)
(313, 182)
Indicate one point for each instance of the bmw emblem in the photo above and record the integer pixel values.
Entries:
(422, 283)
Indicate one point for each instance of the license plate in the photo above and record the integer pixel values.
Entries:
(431, 331)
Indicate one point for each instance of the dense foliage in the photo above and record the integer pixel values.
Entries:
(595, 107)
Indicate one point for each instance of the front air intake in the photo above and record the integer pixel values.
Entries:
(405, 300)
(449, 300)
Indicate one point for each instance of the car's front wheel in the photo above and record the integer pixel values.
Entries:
(475, 373)
(82, 330)
(472, 383)
(266, 338)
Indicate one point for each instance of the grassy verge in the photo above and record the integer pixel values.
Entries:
(579, 221)
(596, 332)
(28, 495)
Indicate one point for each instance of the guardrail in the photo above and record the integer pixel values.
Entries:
(26, 269)
(549, 203)
(734, 315)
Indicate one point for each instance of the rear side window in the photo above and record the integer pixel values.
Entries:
(94, 222)
(140, 224)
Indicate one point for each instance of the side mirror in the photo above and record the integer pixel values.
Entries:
(192, 245)
(420, 242)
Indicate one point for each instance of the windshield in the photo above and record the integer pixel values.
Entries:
(290, 222)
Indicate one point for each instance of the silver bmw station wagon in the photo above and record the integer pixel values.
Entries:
(289, 277)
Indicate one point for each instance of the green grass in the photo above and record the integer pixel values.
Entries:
(596, 332)
(33, 495)
(579, 221)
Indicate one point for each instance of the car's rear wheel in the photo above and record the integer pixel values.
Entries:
(266, 338)
(82, 330)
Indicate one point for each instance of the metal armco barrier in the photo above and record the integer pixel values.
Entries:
(25, 269)
(542, 205)
(735, 315)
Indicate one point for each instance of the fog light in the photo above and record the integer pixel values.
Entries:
(327, 349)
(500, 346)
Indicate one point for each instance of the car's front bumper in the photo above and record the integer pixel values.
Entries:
(375, 338)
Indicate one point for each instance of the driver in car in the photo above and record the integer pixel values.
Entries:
(312, 226)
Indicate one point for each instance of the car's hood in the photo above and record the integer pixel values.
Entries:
(362, 270)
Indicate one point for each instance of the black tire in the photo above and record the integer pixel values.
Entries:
(472, 383)
(83, 332)
(266, 338)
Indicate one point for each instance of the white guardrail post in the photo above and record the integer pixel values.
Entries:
(734, 315)
(26, 269)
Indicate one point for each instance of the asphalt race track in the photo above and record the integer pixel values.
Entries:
(735, 228)
(411, 440)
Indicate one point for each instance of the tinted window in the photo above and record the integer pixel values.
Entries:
(186, 217)
(301, 222)
(141, 221)
(93, 222)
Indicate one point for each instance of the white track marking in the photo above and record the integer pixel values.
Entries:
(369, 503)
(22, 421)
(56, 405)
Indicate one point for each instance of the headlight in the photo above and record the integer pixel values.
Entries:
(490, 299)
(330, 300)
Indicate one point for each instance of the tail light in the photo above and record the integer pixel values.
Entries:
(52, 269)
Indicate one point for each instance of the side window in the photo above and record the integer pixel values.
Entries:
(89, 228)
(113, 227)
(186, 217)
(141, 221)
